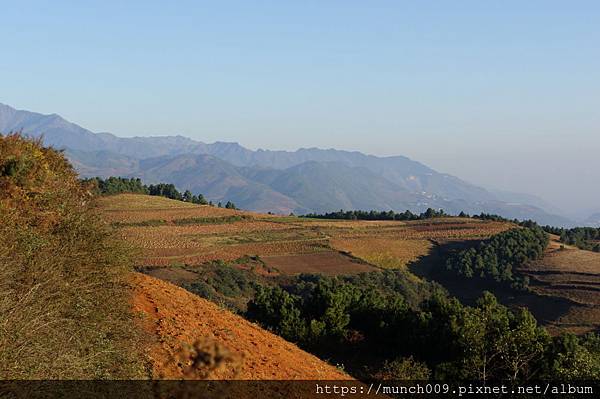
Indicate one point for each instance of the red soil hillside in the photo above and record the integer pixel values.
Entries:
(195, 338)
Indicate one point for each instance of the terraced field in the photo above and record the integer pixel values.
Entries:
(565, 283)
(171, 233)
(574, 275)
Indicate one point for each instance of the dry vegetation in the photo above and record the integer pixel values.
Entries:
(388, 253)
(573, 274)
(151, 224)
(567, 277)
(64, 310)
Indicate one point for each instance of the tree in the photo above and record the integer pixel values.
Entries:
(201, 200)
(188, 196)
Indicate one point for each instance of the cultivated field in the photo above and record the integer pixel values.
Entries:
(387, 253)
(573, 274)
(565, 283)
(171, 233)
(328, 262)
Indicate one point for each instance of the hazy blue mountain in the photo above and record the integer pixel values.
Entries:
(526, 199)
(332, 186)
(309, 179)
(217, 180)
(63, 134)
(593, 220)
(102, 163)
(400, 170)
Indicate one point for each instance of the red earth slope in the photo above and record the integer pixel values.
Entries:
(194, 338)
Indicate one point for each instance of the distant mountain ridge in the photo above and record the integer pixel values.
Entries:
(306, 180)
(593, 220)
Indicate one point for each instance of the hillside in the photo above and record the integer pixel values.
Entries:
(63, 305)
(176, 318)
(276, 181)
(573, 275)
(206, 267)
(563, 281)
(211, 233)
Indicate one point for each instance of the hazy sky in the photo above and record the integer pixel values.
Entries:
(501, 93)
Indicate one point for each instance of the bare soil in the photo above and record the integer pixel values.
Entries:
(193, 338)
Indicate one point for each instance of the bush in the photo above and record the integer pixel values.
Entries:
(403, 369)
(64, 306)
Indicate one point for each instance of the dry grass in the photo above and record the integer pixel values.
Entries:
(135, 208)
(388, 253)
(389, 244)
(573, 274)
(64, 304)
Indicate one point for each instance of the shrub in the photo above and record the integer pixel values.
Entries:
(64, 308)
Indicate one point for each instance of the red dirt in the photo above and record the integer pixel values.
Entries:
(178, 321)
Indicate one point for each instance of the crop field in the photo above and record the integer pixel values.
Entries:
(135, 208)
(387, 253)
(168, 232)
(574, 275)
(565, 284)
(328, 262)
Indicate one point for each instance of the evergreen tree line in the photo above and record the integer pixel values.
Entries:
(587, 238)
(440, 339)
(582, 237)
(378, 215)
(497, 257)
(117, 185)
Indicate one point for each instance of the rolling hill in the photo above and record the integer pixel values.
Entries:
(306, 180)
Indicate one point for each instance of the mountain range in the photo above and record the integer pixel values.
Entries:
(306, 180)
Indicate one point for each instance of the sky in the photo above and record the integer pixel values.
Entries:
(505, 94)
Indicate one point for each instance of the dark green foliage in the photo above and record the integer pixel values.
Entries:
(223, 283)
(314, 312)
(487, 342)
(143, 223)
(587, 238)
(430, 213)
(118, 185)
(165, 190)
(497, 257)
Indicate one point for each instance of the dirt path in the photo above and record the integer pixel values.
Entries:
(194, 338)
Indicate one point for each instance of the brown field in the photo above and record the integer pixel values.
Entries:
(572, 274)
(388, 253)
(152, 225)
(328, 263)
(131, 208)
(565, 284)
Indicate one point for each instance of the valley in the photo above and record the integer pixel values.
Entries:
(268, 249)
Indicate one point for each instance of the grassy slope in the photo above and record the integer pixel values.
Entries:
(63, 299)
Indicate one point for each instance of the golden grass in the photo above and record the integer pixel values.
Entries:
(64, 301)
(388, 253)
